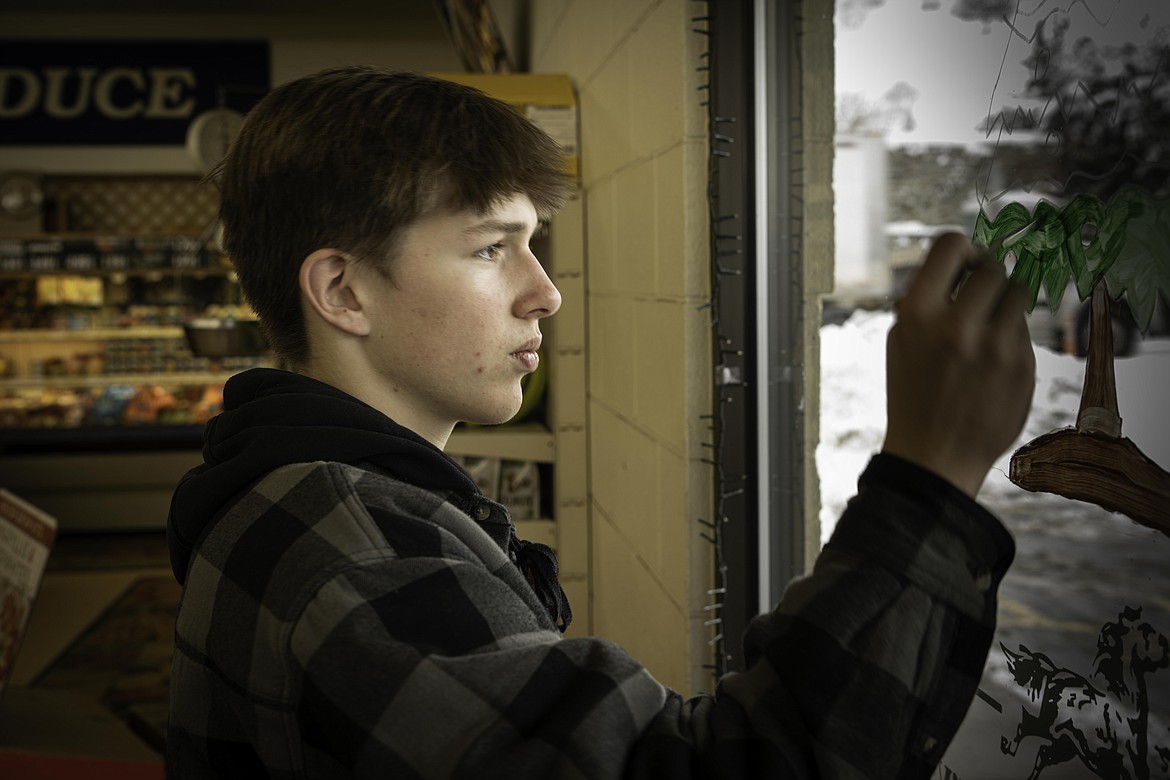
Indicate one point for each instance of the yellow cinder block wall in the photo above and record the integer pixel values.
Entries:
(644, 176)
(643, 152)
(817, 80)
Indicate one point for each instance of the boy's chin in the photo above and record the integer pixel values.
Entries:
(498, 417)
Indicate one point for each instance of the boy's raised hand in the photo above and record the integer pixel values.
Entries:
(960, 370)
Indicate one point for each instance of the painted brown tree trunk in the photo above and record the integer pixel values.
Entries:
(1093, 462)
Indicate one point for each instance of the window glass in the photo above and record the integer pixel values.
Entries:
(979, 116)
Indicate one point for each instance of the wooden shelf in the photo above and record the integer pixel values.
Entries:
(543, 531)
(525, 441)
(147, 273)
(96, 334)
(102, 380)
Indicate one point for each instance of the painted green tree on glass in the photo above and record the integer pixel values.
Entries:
(1116, 250)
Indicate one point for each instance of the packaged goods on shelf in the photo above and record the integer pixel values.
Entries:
(486, 473)
(118, 405)
(513, 483)
(58, 254)
(520, 489)
(69, 290)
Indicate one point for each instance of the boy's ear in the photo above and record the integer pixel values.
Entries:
(328, 284)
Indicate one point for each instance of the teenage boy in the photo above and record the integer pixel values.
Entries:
(353, 606)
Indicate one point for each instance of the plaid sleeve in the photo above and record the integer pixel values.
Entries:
(868, 665)
(436, 661)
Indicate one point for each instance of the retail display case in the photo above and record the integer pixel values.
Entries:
(101, 398)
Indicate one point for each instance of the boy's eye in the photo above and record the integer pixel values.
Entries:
(492, 252)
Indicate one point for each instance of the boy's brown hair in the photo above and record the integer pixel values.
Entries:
(349, 157)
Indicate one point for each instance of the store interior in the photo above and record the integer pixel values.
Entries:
(120, 320)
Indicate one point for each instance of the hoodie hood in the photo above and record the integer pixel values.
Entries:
(274, 418)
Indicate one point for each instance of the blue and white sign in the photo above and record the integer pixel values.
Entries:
(122, 92)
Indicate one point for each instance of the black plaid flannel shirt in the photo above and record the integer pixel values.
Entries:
(339, 623)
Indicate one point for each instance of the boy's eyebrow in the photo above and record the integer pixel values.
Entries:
(495, 226)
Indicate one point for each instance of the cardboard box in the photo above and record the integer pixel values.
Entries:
(547, 100)
(26, 536)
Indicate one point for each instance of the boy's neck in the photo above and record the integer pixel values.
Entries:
(437, 433)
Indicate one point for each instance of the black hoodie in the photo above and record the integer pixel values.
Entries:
(274, 418)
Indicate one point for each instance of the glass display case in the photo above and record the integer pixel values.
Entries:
(97, 346)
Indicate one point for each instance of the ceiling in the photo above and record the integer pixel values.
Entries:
(398, 9)
(417, 18)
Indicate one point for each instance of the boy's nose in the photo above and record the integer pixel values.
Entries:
(543, 298)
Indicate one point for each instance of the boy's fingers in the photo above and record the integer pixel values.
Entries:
(981, 295)
(933, 284)
(1013, 305)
